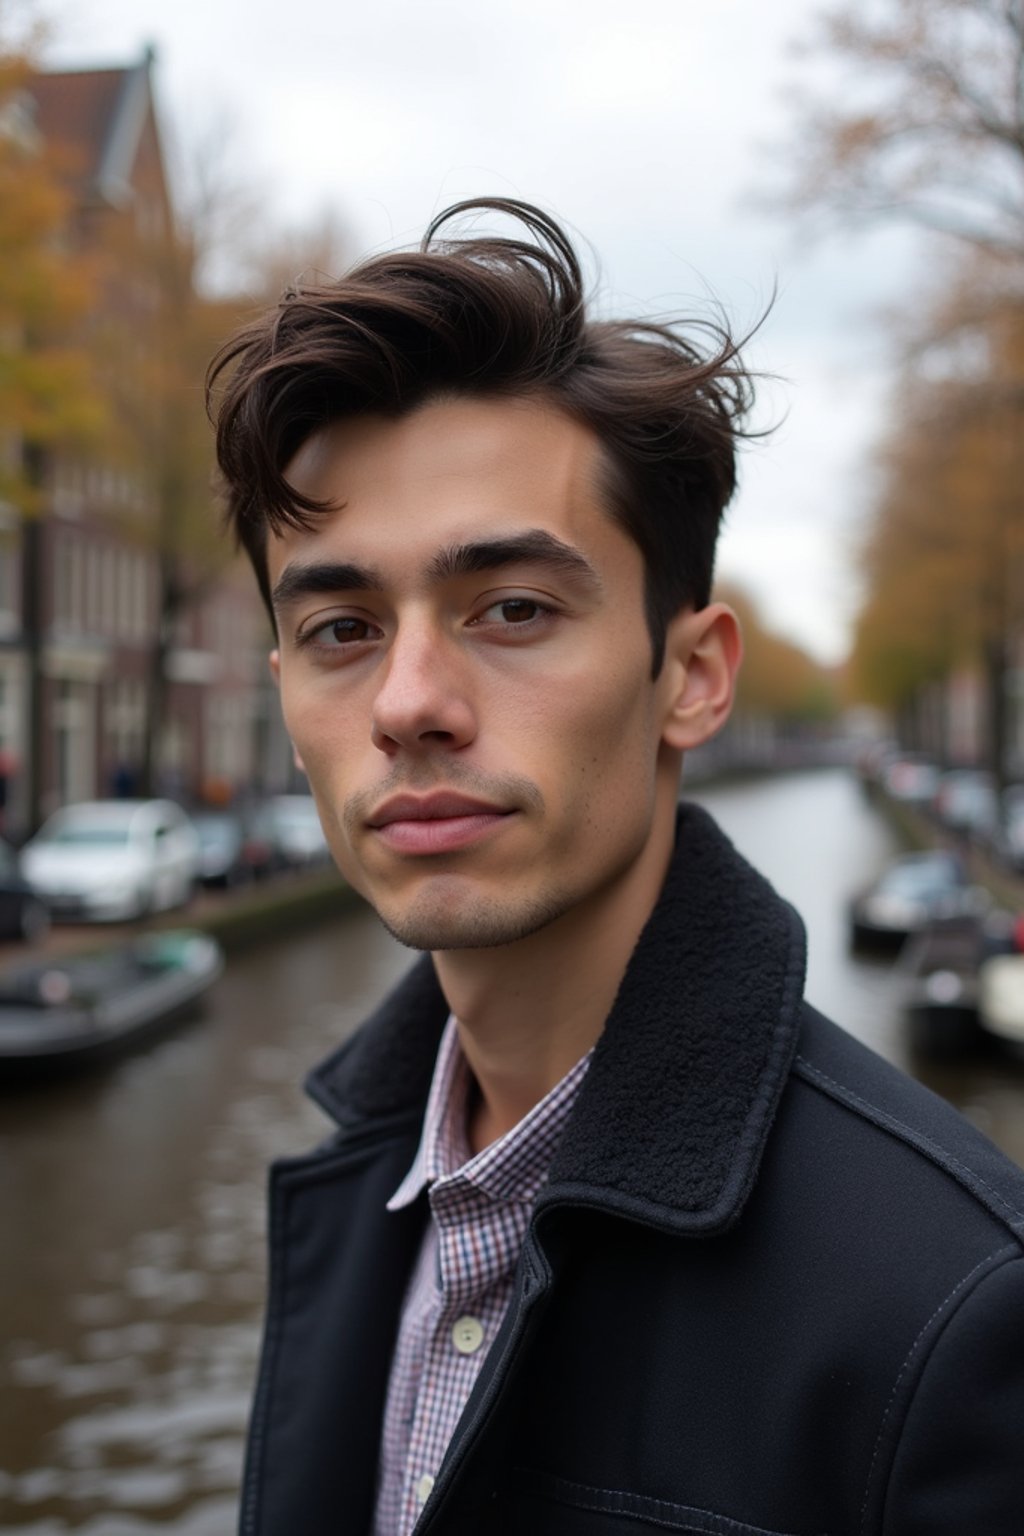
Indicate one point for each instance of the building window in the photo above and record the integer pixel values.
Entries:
(9, 582)
(123, 621)
(94, 589)
(229, 738)
(62, 580)
(68, 581)
(125, 719)
(74, 740)
(108, 587)
(140, 597)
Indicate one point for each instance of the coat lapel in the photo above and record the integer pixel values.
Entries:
(671, 1122)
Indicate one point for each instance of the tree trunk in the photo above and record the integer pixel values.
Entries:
(32, 577)
(996, 664)
(156, 680)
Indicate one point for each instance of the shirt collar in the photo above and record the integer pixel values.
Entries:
(512, 1168)
(444, 1122)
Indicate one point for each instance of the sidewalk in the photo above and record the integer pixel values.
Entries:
(249, 915)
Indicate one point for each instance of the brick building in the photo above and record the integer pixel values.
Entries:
(76, 663)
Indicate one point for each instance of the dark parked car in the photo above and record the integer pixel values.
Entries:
(235, 846)
(914, 891)
(1008, 839)
(22, 914)
(965, 801)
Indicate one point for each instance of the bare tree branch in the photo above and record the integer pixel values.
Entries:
(932, 129)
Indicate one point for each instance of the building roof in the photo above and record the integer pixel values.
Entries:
(96, 116)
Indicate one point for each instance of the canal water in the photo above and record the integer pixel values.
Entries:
(131, 1202)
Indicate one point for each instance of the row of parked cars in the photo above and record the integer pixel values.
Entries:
(963, 800)
(116, 860)
(936, 886)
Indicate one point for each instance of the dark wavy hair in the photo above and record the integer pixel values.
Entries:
(479, 315)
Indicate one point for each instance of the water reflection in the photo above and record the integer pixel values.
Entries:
(132, 1297)
(133, 1201)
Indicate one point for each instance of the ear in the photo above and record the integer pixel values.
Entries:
(703, 651)
(275, 668)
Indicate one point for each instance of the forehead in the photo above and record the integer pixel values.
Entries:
(447, 472)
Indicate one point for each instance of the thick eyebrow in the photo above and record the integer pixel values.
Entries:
(322, 578)
(535, 547)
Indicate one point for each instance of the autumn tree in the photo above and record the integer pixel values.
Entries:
(161, 398)
(154, 350)
(944, 557)
(45, 388)
(47, 391)
(48, 394)
(924, 124)
(779, 680)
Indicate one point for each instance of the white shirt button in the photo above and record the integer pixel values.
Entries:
(467, 1335)
(424, 1488)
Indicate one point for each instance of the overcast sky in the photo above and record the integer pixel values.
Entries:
(647, 126)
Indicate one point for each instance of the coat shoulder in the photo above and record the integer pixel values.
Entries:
(875, 1104)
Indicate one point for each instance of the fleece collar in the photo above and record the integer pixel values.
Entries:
(671, 1121)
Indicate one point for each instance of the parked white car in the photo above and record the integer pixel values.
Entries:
(110, 860)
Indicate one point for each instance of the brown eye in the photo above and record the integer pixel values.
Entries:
(345, 631)
(338, 634)
(518, 610)
(508, 613)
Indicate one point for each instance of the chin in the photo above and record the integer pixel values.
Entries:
(469, 924)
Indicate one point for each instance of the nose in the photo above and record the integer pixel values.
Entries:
(424, 699)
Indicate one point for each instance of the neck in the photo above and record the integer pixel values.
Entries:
(528, 1011)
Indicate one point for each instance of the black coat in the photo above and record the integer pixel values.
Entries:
(772, 1286)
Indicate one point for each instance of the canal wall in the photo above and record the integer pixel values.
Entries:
(277, 908)
(262, 913)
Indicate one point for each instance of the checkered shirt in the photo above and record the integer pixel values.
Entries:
(461, 1284)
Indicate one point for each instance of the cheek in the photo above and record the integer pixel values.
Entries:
(598, 727)
(317, 720)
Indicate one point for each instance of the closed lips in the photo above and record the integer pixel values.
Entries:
(441, 807)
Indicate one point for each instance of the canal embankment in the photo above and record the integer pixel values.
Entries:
(261, 912)
(917, 831)
(267, 911)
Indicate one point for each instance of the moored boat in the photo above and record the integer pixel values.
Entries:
(1001, 1000)
(964, 984)
(71, 1010)
(940, 966)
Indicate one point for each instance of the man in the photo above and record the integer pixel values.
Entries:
(615, 1233)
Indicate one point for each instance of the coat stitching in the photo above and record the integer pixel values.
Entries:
(917, 1137)
(261, 1407)
(619, 1502)
(943, 1305)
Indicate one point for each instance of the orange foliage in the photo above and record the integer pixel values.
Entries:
(944, 559)
(778, 679)
(47, 388)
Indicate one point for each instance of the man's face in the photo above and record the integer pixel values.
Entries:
(465, 667)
